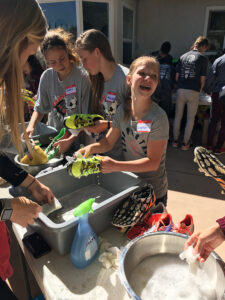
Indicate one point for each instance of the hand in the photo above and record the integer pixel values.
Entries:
(100, 125)
(41, 192)
(204, 242)
(64, 145)
(108, 165)
(86, 151)
(30, 131)
(24, 211)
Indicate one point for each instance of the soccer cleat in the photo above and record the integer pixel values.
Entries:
(134, 207)
(175, 144)
(210, 165)
(53, 151)
(186, 226)
(78, 121)
(82, 166)
(186, 147)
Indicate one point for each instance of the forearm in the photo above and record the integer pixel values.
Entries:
(35, 118)
(11, 172)
(100, 147)
(138, 166)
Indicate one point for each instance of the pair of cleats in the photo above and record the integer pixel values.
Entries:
(184, 146)
(161, 222)
(79, 121)
(82, 166)
(210, 165)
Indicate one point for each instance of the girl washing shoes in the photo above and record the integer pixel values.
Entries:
(142, 127)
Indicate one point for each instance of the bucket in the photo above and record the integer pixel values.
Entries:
(162, 247)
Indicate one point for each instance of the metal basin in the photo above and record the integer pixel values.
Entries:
(34, 170)
(165, 244)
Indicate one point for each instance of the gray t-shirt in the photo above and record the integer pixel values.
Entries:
(113, 95)
(62, 98)
(135, 136)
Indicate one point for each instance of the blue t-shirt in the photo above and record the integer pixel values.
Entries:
(191, 66)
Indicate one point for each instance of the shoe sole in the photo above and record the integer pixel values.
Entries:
(210, 166)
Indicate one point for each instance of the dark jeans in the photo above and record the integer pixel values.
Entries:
(5, 292)
(217, 114)
(162, 199)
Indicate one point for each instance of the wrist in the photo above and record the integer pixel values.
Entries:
(28, 182)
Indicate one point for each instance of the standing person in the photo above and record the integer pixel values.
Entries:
(32, 71)
(20, 37)
(64, 87)
(191, 72)
(108, 82)
(143, 129)
(167, 74)
(215, 83)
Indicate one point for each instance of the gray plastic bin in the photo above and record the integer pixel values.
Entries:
(115, 187)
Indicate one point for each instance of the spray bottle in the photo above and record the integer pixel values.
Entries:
(85, 244)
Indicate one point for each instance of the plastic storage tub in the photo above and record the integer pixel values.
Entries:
(109, 189)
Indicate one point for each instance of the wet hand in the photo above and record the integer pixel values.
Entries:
(100, 125)
(24, 211)
(41, 192)
(108, 165)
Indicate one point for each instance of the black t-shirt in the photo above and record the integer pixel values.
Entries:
(191, 66)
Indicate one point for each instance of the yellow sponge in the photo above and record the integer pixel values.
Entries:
(39, 157)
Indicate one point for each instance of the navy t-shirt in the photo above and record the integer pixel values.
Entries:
(191, 66)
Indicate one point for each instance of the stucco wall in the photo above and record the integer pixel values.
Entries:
(178, 21)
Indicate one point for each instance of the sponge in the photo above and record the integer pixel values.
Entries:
(39, 157)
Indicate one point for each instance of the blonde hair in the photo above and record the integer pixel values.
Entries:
(89, 41)
(59, 38)
(200, 41)
(21, 22)
(134, 65)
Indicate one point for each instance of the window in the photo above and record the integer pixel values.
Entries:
(128, 25)
(61, 14)
(96, 15)
(216, 27)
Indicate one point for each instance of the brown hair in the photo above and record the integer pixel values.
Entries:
(138, 61)
(59, 38)
(22, 22)
(90, 40)
(200, 41)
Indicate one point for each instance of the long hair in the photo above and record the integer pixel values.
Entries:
(21, 22)
(137, 62)
(199, 42)
(90, 40)
(59, 38)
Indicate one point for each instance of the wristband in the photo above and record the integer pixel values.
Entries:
(30, 184)
(109, 125)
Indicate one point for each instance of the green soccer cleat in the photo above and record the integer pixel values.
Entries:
(84, 166)
(78, 121)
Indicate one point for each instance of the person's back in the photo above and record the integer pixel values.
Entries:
(191, 66)
(215, 80)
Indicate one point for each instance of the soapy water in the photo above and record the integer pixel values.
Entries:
(165, 276)
(71, 201)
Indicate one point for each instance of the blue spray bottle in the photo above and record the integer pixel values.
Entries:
(85, 244)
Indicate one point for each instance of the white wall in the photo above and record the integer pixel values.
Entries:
(177, 21)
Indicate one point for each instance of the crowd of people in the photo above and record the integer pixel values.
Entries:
(85, 78)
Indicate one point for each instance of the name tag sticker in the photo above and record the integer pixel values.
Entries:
(71, 90)
(144, 126)
(110, 97)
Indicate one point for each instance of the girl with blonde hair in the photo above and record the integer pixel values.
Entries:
(142, 127)
(22, 28)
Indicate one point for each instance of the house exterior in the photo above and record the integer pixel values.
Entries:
(137, 27)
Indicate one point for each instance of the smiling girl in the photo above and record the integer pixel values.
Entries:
(64, 87)
(143, 128)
